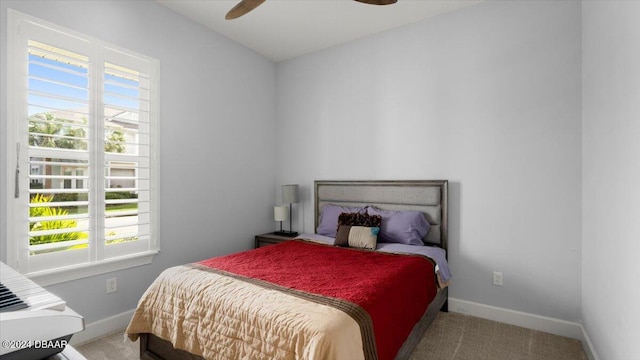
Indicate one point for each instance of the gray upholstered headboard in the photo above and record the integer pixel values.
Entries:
(428, 196)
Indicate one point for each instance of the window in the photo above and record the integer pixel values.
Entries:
(83, 121)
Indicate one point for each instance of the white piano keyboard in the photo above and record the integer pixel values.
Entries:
(31, 317)
(30, 293)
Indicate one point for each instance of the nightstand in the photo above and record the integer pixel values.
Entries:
(270, 239)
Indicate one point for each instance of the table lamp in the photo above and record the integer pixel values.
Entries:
(289, 196)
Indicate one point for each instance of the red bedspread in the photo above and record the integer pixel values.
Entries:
(394, 289)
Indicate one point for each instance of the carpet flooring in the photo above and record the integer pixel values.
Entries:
(451, 336)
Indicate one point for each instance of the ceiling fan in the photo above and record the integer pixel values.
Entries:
(244, 6)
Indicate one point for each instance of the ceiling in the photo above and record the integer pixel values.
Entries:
(284, 29)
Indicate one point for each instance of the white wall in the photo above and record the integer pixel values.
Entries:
(488, 98)
(611, 177)
(217, 124)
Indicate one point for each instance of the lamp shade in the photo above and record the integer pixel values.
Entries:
(289, 194)
(280, 213)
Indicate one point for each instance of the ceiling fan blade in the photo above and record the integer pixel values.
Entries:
(378, 2)
(242, 8)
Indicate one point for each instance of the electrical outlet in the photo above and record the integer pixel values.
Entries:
(497, 278)
(112, 285)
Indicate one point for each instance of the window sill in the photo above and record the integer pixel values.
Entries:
(56, 276)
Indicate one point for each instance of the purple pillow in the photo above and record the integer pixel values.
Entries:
(403, 227)
(329, 218)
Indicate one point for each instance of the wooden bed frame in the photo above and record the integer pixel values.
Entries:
(428, 196)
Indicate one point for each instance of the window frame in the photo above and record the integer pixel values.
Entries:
(16, 99)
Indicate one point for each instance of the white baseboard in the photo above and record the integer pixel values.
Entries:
(588, 345)
(550, 325)
(512, 317)
(102, 327)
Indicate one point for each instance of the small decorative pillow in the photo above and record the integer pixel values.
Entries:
(329, 218)
(358, 230)
(359, 219)
(404, 227)
(362, 237)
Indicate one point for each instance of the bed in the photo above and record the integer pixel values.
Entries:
(252, 311)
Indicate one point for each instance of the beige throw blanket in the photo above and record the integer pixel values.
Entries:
(219, 317)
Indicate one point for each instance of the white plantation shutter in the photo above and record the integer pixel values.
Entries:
(58, 154)
(86, 143)
(126, 133)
